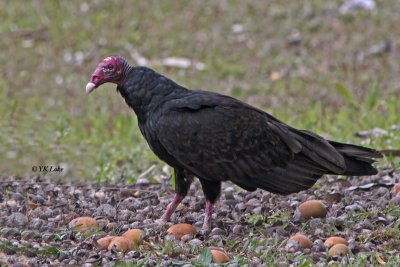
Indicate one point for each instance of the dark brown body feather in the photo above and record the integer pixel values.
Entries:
(218, 138)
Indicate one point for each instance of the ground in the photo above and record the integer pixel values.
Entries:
(253, 228)
(306, 63)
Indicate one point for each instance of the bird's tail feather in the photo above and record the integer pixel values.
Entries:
(319, 150)
(298, 175)
(358, 159)
(302, 172)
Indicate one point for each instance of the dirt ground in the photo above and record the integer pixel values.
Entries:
(35, 214)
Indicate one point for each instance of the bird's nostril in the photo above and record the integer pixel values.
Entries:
(95, 79)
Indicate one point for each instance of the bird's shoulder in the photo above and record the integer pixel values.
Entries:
(201, 110)
(197, 99)
(205, 125)
(204, 111)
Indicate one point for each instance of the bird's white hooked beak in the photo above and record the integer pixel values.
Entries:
(90, 87)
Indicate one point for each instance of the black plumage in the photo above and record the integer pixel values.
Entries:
(218, 138)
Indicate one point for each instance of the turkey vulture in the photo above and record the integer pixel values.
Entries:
(219, 138)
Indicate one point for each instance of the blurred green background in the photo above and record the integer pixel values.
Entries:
(307, 64)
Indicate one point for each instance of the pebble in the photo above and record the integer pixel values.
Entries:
(354, 207)
(41, 212)
(17, 196)
(18, 264)
(216, 237)
(151, 263)
(395, 200)
(130, 203)
(228, 193)
(187, 237)
(382, 192)
(17, 219)
(255, 261)
(133, 254)
(253, 202)
(319, 231)
(370, 246)
(292, 246)
(314, 222)
(198, 224)
(106, 210)
(36, 223)
(217, 231)
(237, 229)
(142, 181)
(240, 206)
(351, 243)
(195, 242)
(259, 249)
(112, 226)
(37, 199)
(126, 215)
(318, 245)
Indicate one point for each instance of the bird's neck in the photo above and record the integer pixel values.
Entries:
(145, 89)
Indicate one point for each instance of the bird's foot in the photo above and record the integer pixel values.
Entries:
(206, 229)
(161, 225)
(207, 217)
(171, 208)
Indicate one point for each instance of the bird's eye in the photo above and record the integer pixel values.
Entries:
(108, 68)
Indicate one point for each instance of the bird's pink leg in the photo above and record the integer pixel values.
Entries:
(171, 208)
(207, 218)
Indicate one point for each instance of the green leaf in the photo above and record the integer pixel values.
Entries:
(345, 93)
(305, 264)
(49, 251)
(179, 262)
(205, 257)
(92, 233)
(371, 99)
(173, 179)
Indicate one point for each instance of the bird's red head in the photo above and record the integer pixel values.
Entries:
(110, 69)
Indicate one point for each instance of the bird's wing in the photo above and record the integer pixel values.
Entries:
(220, 138)
(217, 137)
